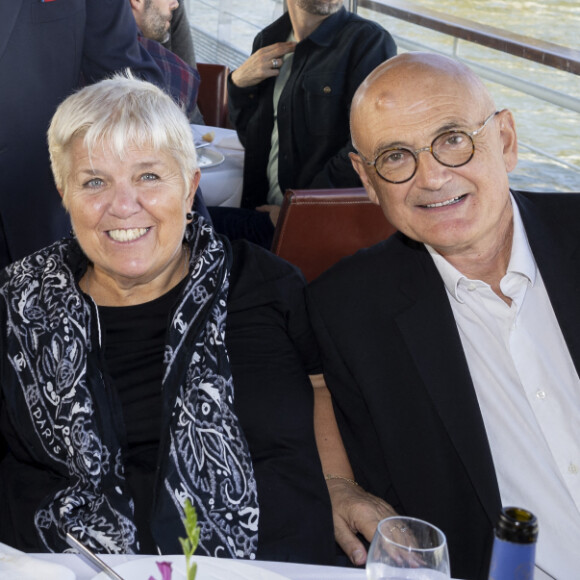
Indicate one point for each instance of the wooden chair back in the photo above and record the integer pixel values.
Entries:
(212, 98)
(318, 227)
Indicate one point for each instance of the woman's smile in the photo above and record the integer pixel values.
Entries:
(127, 235)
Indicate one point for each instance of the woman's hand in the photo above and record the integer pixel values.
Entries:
(259, 65)
(355, 511)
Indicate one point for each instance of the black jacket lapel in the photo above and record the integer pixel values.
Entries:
(553, 234)
(431, 336)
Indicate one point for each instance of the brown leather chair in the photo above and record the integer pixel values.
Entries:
(212, 98)
(317, 227)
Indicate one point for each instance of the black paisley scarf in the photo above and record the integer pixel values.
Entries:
(52, 347)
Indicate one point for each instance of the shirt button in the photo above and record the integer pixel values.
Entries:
(472, 287)
(573, 468)
(326, 90)
(541, 394)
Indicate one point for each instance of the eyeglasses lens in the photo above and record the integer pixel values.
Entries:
(396, 165)
(453, 149)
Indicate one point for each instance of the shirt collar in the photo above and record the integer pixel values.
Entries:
(325, 33)
(521, 262)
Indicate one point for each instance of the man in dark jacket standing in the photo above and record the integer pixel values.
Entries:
(289, 103)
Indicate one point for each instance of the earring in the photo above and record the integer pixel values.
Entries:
(189, 216)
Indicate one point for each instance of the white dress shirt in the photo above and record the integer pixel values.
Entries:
(529, 394)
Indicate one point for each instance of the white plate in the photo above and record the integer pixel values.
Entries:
(209, 158)
(207, 569)
(16, 565)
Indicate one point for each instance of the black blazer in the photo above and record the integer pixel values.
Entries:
(44, 48)
(403, 395)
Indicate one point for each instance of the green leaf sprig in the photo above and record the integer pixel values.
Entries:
(189, 544)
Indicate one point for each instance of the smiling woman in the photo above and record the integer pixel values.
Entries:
(125, 406)
(128, 188)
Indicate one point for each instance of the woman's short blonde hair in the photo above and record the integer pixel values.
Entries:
(117, 113)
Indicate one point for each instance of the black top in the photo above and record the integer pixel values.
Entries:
(134, 341)
(271, 350)
(313, 111)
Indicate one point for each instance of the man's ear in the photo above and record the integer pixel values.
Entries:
(360, 167)
(137, 6)
(509, 138)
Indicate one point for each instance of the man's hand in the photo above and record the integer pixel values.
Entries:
(355, 511)
(259, 65)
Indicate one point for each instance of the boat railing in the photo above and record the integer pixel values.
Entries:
(546, 53)
(542, 52)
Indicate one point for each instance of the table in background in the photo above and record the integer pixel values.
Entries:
(84, 571)
(222, 185)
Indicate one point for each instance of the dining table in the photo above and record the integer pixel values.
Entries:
(291, 571)
(221, 160)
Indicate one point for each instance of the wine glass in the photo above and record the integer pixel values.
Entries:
(405, 548)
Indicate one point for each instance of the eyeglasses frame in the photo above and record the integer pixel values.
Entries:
(415, 153)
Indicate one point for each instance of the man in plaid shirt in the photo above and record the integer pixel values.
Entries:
(153, 19)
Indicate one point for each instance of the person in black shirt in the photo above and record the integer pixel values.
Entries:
(289, 103)
(146, 360)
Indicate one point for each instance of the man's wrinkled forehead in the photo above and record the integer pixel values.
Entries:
(410, 92)
(411, 86)
(409, 73)
(424, 105)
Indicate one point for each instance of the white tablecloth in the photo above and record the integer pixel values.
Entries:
(222, 185)
(84, 571)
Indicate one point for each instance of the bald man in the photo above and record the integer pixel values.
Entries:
(452, 349)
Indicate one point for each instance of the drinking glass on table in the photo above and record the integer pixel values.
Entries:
(405, 548)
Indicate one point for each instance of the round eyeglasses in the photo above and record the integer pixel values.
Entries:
(452, 149)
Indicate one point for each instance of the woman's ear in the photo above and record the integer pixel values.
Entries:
(194, 184)
(62, 197)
